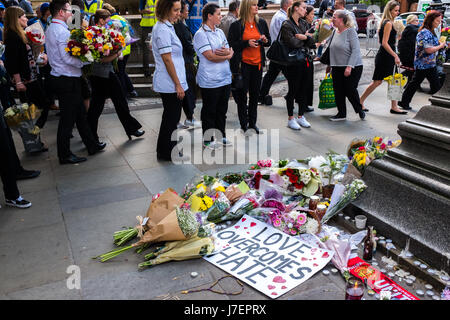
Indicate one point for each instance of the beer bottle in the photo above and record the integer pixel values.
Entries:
(368, 245)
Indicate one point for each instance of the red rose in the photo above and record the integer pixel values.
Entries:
(361, 148)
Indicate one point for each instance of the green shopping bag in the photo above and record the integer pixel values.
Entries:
(326, 93)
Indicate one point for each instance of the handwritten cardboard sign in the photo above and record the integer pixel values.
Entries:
(265, 258)
(377, 280)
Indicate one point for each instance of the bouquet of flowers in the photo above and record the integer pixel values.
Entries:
(294, 222)
(246, 203)
(300, 180)
(396, 79)
(179, 224)
(23, 116)
(445, 34)
(192, 248)
(324, 30)
(35, 33)
(352, 191)
(94, 43)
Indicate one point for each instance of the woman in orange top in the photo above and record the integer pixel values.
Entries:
(248, 36)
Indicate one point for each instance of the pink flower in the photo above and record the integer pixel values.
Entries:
(293, 232)
(301, 219)
(277, 222)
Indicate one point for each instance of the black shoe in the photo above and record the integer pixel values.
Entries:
(72, 159)
(256, 129)
(404, 107)
(398, 112)
(308, 109)
(337, 118)
(28, 174)
(99, 147)
(136, 134)
(260, 100)
(133, 94)
(18, 203)
(362, 114)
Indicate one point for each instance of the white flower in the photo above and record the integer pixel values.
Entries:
(312, 226)
(290, 225)
(305, 176)
(316, 162)
(294, 215)
(385, 295)
(89, 56)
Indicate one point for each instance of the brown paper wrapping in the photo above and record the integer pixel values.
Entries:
(164, 205)
(233, 193)
(165, 230)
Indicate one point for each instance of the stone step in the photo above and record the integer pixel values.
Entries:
(137, 68)
(139, 78)
(145, 90)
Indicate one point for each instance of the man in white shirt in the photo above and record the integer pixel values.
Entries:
(67, 84)
(274, 68)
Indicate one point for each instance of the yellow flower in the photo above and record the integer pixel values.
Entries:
(220, 188)
(67, 49)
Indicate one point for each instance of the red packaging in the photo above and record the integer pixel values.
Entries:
(376, 280)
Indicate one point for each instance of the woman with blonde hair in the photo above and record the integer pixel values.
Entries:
(248, 36)
(21, 65)
(386, 58)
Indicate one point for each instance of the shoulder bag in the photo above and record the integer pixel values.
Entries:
(325, 57)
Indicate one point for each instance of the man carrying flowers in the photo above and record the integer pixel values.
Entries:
(67, 83)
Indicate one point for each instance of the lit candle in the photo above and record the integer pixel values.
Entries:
(313, 202)
(354, 290)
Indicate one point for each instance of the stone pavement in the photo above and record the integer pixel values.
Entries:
(76, 208)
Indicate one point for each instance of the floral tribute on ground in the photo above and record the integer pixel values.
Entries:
(288, 195)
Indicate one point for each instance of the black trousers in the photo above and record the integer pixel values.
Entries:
(9, 161)
(145, 49)
(214, 109)
(412, 86)
(170, 117)
(297, 79)
(102, 88)
(269, 78)
(346, 87)
(35, 94)
(248, 113)
(72, 111)
(125, 81)
(310, 84)
(189, 96)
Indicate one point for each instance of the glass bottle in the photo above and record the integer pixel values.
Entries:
(368, 245)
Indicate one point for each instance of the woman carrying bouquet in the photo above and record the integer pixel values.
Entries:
(20, 63)
(386, 57)
(106, 84)
(293, 36)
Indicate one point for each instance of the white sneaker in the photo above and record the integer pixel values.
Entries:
(181, 126)
(293, 124)
(192, 123)
(213, 145)
(226, 142)
(303, 122)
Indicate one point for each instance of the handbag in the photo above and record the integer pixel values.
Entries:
(325, 57)
(396, 85)
(281, 54)
(326, 93)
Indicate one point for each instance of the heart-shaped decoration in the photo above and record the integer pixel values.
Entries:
(245, 227)
(243, 219)
(271, 287)
(274, 293)
(248, 232)
(325, 255)
(304, 259)
(237, 227)
(315, 265)
(252, 224)
(279, 279)
(283, 287)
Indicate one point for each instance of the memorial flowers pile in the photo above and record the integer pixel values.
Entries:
(278, 193)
